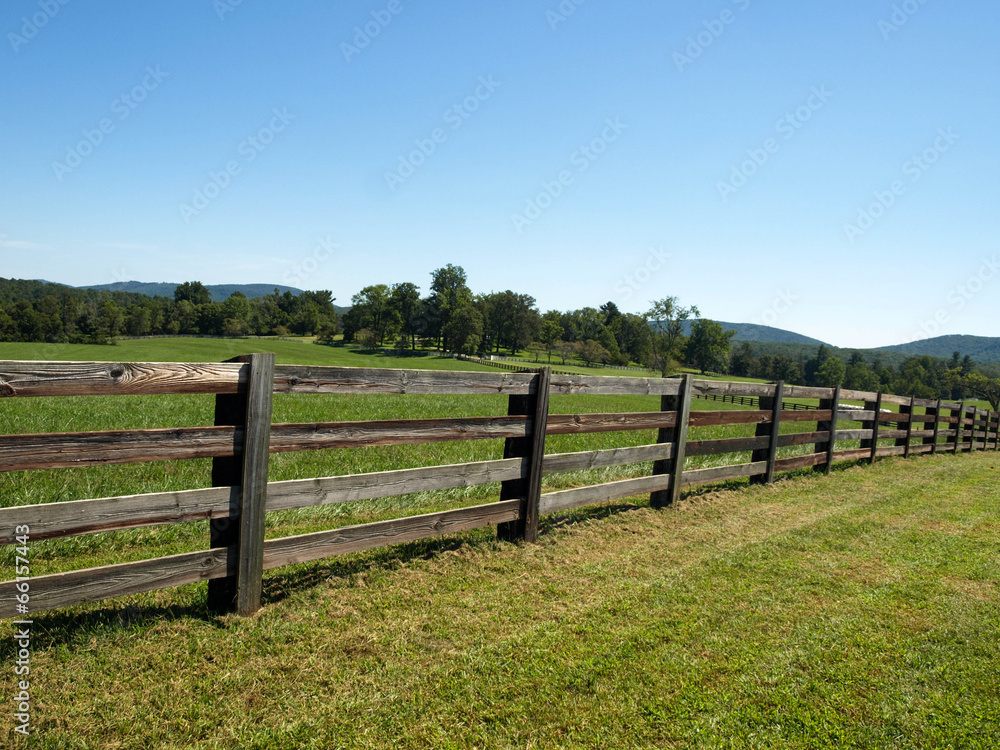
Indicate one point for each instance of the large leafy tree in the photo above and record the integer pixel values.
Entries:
(666, 318)
(449, 293)
(709, 346)
(404, 299)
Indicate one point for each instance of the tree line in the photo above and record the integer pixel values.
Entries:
(452, 318)
(39, 311)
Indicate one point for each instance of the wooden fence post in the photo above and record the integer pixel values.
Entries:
(532, 447)
(243, 531)
(936, 412)
(873, 425)
(833, 404)
(905, 441)
(770, 453)
(681, 403)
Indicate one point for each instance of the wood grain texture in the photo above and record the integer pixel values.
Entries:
(111, 581)
(571, 424)
(253, 494)
(305, 547)
(355, 380)
(117, 378)
(720, 473)
(716, 418)
(598, 493)
(69, 449)
(326, 435)
(803, 438)
(600, 459)
(800, 462)
(681, 437)
(726, 445)
(721, 388)
(302, 493)
(53, 520)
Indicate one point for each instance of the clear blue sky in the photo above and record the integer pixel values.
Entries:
(650, 208)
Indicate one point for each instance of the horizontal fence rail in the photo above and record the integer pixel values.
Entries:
(243, 437)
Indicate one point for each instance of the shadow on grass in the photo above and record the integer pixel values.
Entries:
(60, 628)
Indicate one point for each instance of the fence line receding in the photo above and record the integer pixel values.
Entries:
(243, 436)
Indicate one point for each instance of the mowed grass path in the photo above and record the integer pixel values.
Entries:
(857, 610)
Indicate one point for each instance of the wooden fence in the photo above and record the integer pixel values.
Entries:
(243, 436)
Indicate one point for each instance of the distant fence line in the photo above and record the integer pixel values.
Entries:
(243, 437)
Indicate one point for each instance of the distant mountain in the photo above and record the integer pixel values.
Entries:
(763, 334)
(980, 348)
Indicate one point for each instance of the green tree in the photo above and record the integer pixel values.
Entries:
(449, 293)
(831, 373)
(404, 299)
(592, 351)
(194, 292)
(709, 346)
(464, 329)
(666, 319)
(548, 335)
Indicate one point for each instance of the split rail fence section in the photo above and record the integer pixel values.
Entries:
(243, 436)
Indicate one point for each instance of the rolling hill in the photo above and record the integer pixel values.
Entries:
(762, 334)
(980, 348)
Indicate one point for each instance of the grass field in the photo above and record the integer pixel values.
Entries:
(860, 610)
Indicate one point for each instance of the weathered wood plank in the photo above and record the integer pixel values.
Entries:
(804, 391)
(52, 520)
(566, 499)
(326, 435)
(847, 394)
(799, 462)
(111, 581)
(69, 449)
(117, 378)
(887, 434)
(305, 547)
(721, 473)
(301, 493)
(803, 438)
(853, 454)
(572, 424)
(722, 388)
(355, 380)
(716, 418)
(807, 415)
(726, 445)
(599, 385)
(600, 459)
(853, 434)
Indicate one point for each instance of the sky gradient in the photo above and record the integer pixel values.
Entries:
(830, 168)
